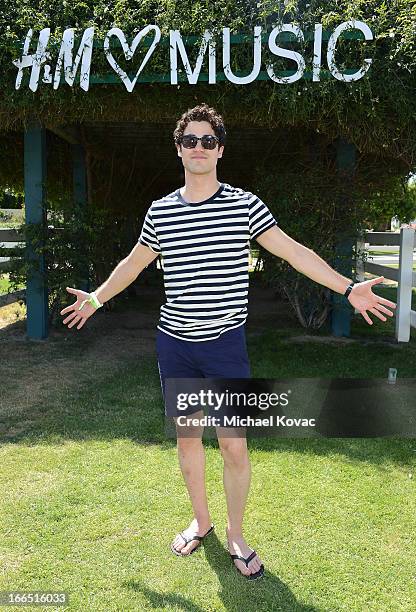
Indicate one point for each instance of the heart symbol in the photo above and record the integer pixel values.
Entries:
(129, 51)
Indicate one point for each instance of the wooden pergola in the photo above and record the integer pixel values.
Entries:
(144, 141)
(149, 139)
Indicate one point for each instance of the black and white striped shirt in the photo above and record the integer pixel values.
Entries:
(205, 251)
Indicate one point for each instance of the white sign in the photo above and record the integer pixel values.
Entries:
(40, 61)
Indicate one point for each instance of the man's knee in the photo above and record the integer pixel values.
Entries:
(234, 450)
(188, 444)
(189, 437)
(191, 432)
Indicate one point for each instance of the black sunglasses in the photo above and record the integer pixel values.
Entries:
(208, 141)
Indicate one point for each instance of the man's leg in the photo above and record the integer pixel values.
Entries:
(175, 361)
(227, 357)
(236, 478)
(191, 456)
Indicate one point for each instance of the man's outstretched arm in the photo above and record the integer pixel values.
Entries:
(126, 272)
(121, 277)
(306, 261)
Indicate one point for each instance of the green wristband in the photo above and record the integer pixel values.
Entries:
(94, 300)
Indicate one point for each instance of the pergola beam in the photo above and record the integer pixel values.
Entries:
(79, 190)
(341, 308)
(35, 195)
(69, 133)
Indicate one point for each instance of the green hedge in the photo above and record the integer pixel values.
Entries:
(377, 112)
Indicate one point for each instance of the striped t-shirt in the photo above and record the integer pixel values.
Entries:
(205, 252)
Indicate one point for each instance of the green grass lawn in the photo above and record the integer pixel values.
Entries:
(92, 493)
(397, 265)
(382, 251)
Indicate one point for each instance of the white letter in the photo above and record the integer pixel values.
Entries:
(181, 401)
(226, 54)
(220, 399)
(34, 60)
(193, 399)
(71, 66)
(276, 50)
(317, 52)
(356, 25)
(176, 43)
(285, 398)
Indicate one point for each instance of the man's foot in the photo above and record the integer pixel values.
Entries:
(179, 546)
(237, 546)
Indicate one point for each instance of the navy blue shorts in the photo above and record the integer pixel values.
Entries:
(224, 357)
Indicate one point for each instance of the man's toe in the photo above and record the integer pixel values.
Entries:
(242, 567)
(180, 546)
(189, 547)
(254, 565)
(178, 543)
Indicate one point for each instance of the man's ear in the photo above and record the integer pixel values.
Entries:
(220, 151)
(179, 149)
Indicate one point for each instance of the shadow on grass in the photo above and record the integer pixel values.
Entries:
(236, 592)
(128, 404)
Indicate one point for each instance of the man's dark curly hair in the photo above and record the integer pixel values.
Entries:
(202, 112)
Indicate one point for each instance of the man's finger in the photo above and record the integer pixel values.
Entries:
(375, 281)
(67, 309)
(385, 310)
(75, 321)
(381, 300)
(366, 317)
(378, 314)
(70, 317)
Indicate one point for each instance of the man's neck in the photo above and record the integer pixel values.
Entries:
(199, 187)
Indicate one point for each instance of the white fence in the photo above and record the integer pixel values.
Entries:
(9, 241)
(403, 275)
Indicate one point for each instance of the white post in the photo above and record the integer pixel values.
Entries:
(404, 289)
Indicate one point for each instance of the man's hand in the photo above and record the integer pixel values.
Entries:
(363, 299)
(78, 316)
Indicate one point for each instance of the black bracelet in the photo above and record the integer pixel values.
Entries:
(348, 289)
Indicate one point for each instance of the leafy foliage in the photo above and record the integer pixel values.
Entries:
(325, 208)
(71, 238)
(377, 112)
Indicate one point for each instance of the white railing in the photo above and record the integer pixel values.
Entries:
(9, 238)
(403, 275)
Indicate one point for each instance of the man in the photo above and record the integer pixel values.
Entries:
(202, 231)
